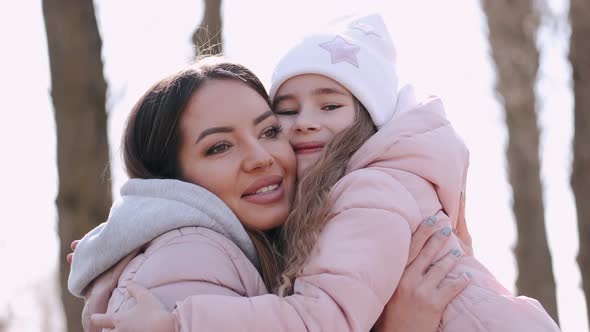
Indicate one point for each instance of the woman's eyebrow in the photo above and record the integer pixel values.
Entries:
(262, 117)
(213, 130)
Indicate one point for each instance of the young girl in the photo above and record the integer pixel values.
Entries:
(336, 97)
(385, 163)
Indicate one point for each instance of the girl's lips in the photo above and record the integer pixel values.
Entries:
(308, 148)
(268, 197)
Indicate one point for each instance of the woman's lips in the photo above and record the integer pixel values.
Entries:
(265, 191)
(308, 148)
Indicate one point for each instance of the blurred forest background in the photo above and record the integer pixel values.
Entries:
(514, 76)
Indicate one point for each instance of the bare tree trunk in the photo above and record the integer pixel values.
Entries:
(6, 319)
(513, 26)
(580, 60)
(78, 90)
(207, 38)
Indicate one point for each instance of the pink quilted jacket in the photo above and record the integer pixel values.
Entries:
(188, 261)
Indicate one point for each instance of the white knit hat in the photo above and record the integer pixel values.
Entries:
(358, 53)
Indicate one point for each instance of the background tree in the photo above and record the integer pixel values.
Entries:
(207, 37)
(580, 60)
(513, 26)
(5, 319)
(78, 91)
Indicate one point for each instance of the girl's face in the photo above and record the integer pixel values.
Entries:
(312, 110)
(232, 145)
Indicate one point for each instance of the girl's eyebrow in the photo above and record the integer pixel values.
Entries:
(328, 91)
(316, 92)
(281, 98)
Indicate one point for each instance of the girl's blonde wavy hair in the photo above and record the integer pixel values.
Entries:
(311, 207)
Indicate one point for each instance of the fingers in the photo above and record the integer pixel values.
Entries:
(424, 231)
(430, 250)
(86, 318)
(450, 288)
(106, 321)
(439, 270)
(70, 256)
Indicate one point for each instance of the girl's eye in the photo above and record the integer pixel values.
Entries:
(286, 112)
(272, 132)
(218, 148)
(331, 107)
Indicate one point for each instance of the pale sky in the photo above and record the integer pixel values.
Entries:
(442, 48)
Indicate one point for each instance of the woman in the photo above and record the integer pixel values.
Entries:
(247, 150)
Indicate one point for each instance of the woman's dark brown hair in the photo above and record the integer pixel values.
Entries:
(152, 137)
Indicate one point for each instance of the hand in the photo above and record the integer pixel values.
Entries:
(70, 256)
(147, 315)
(423, 292)
(98, 293)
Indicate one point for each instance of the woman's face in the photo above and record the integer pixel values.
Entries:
(312, 110)
(232, 145)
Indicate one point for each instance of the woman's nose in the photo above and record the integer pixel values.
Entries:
(257, 158)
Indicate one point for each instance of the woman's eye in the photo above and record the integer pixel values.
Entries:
(218, 148)
(272, 132)
(331, 107)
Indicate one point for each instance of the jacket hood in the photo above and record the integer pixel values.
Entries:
(145, 210)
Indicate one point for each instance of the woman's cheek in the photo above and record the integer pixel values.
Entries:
(286, 123)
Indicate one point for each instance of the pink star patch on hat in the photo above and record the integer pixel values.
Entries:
(341, 50)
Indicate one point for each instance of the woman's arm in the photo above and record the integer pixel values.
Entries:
(98, 293)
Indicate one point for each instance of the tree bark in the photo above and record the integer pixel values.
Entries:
(513, 26)
(207, 38)
(580, 180)
(78, 90)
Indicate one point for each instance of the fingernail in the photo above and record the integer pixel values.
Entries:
(446, 231)
(456, 252)
(431, 220)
